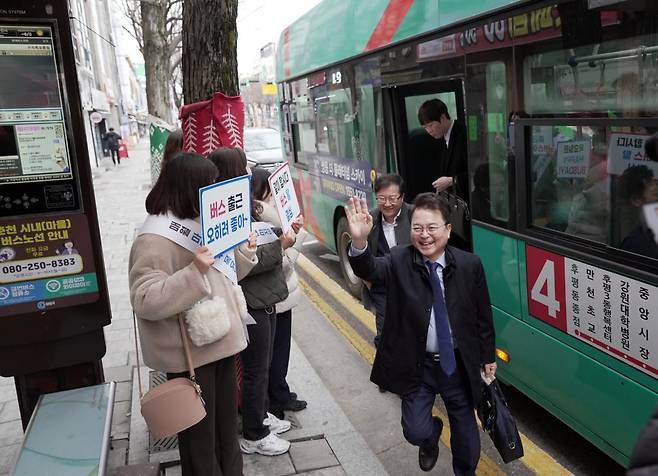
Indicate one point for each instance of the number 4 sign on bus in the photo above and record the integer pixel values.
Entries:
(226, 214)
(285, 197)
(607, 310)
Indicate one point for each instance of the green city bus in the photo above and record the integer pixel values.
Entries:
(558, 99)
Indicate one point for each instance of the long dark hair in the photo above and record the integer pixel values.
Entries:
(260, 187)
(231, 162)
(174, 144)
(177, 188)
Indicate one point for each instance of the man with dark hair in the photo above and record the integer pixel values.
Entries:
(113, 141)
(438, 333)
(433, 115)
(391, 227)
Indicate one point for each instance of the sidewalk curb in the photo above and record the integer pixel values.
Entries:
(138, 450)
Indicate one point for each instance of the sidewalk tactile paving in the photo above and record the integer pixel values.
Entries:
(312, 454)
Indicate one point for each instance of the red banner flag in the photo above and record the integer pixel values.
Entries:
(208, 125)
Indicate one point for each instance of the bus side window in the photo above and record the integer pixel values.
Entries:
(302, 118)
(369, 114)
(584, 183)
(490, 156)
(332, 101)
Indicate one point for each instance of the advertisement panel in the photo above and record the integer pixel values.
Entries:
(46, 263)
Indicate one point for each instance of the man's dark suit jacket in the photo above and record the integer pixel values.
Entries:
(430, 159)
(398, 365)
(402, 237)
(456, 163)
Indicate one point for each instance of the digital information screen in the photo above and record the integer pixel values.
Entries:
(33, 143)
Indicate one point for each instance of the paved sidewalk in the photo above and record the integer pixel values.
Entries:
(324, 441)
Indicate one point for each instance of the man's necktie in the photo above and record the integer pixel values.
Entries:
(441, 324)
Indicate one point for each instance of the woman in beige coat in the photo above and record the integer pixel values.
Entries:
(166, 280)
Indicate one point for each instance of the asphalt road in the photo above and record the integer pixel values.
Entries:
(550, 435)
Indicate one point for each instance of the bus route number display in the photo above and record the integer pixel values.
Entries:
(611, 312)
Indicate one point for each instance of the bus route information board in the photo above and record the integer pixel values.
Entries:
(609, 311)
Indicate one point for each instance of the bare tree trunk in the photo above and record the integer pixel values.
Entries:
(156, 58)
(210, 39)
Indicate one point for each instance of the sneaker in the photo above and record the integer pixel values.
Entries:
(276, 426)
(290, 406)
(271, 445)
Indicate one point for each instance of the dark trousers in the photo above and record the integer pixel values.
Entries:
(113, 153)
(256, 359)
(211, 446)
(378, 298)
(420, 429)
(279, 391)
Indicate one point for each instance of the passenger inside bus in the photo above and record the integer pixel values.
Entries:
(488, 193)
(637, 187)
(589, 216)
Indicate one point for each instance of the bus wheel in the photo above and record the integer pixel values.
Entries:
(343, 240)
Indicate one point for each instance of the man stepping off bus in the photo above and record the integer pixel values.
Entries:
(452, 165)
(438, 331)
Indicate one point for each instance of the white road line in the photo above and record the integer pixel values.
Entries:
(330, 257)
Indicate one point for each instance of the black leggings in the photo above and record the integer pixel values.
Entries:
(256, 360)
(279, 391)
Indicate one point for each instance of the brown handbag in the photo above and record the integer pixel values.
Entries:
(175, 405)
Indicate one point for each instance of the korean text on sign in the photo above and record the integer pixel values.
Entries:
(627, 150)
(573, 159)
(609, 311)
(225, 214)
(284, 195)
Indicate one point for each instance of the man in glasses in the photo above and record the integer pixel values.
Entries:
(391, 226)
(438, 333)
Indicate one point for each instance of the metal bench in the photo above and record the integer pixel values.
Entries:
(69, 433)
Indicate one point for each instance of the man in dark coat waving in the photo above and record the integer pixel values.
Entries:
(438, 333)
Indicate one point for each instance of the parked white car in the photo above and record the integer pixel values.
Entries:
(263, 148)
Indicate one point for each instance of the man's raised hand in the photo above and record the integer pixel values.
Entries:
(359, 221)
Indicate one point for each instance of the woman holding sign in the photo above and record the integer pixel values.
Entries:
(280, 396)
(169, 275)
(263, 288)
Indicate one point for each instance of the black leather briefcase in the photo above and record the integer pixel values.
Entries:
(498, 422)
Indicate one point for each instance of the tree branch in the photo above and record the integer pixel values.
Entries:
(132, 12)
